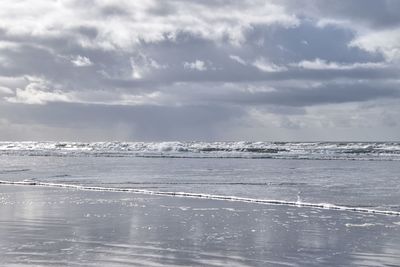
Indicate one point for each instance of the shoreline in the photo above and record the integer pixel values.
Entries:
(325, 206)
(54, 226)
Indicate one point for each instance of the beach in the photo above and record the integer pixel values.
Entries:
(199, 133)
(63, 227)
(199, 204)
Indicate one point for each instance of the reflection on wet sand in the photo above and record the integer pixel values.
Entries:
(59, 227)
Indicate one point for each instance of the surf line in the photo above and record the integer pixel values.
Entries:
(326, 206)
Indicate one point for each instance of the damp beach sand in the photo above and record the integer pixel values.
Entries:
(42, 226)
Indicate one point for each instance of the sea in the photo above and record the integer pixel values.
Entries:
(354, 175)
(359, 178)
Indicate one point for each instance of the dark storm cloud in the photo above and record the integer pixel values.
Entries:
(290, 96)
(308, 41)
(327, 94)
(144, 122)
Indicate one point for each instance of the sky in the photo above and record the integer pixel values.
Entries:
(155, 70)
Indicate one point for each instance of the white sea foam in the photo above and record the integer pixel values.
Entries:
(360, 225)
(279, 150)
(327, 206)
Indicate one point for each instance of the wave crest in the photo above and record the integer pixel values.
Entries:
(276, 150)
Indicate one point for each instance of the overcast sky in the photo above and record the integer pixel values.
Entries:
(91, 70)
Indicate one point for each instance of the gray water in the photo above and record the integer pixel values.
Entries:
(49, 218)
(368, 184)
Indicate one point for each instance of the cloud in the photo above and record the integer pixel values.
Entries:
(31, 95)
(263, 65)
(196, 65)
(81, 61)
(120, 24)
(142, 65)
(375, 22)
(153, 68)
(320, 64)
(145, 122)
(386, 42)
(238, 59)
(37, 92)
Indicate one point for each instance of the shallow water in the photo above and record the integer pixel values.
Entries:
(363, 184)
(61, 227)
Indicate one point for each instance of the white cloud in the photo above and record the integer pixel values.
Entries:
(196, 65)
(81, 61)
(38, 92)
(324, 22)
(33, 96)
(238, 59)
(386, 41)
(139, 20)
(265, 66)
(320, 64)
(142, 65)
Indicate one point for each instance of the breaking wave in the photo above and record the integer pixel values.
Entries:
(275, 150)
(206, 196)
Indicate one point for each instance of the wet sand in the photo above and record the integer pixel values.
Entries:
(63, 227)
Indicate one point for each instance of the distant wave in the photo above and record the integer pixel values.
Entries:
(14, 170)
(251, 150)
(207, 196)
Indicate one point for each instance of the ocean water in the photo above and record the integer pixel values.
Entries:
(199, 204)
(360, 176)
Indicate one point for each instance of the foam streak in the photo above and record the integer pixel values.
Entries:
(327, 206)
